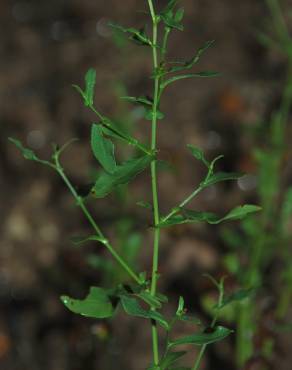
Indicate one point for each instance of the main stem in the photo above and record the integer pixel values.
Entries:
(154, 180)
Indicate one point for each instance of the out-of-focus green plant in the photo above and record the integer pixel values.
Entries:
(140, 297)
(266, 236)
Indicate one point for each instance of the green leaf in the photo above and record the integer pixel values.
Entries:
(149, 114)
(198, 154)
(103, 149)
(123, 174)
(181, 306)
(80, 240)
(189, 216)
(190, 63)
(133, 308)
(163, 298)
(149, 299)
(221, 176)
(143, 204)
(138, 36)
(240, 212)
(236, 297)
(200, 339)
(190, 75)
(97, 304)
(27, 153)
(147, 103)
(170, 358)
(30, 154)
(170, 6)
(143, 100)
(179, 15)
(90, 80)
(143, 277)
(88, 94)
(172, 19)
(109, 129)
(171, 22)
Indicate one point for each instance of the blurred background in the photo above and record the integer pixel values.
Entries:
(45, 47)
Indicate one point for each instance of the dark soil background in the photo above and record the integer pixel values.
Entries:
(45, 46)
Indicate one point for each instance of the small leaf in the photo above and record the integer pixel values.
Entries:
(179, 15)
(109, 129)
(123, 174)
(181, 306)
(170, 358)
(149, 299)
(132, 307)
(97, 304)
(27, 153)
(149, 114)
(143, 204)
(147, 103)
(170, 6)
(163, 298)
(240, 212)
(221, 176)
(172, 19)
(190, 63)
(143, 100)
(218, 334)
(198, 154)
(88, 94)
(190, 75)
(79, 240)
(103, 149)
(138, 36)
(236, 297)
(143, 277)
(90, 80)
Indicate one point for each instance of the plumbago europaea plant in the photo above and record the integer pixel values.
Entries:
(141, 297)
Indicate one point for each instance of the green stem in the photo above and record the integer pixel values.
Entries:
(164, 43)
(155, 259)
(99, 233)
(182, 204)
(214, 321)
